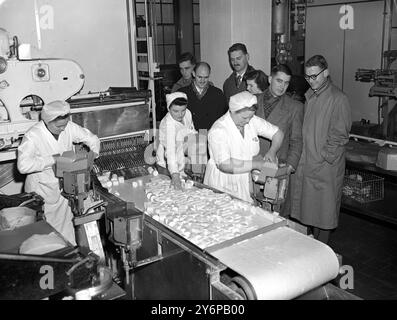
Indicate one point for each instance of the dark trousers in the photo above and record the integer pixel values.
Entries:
(320, 234)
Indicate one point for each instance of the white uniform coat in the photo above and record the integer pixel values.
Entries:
(35, 158)
(225, 141)
(172, 133)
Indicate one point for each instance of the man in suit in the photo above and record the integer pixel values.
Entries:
(275, 106)
(238, 59)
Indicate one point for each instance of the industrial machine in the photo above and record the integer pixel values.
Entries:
(121, 119)
(73, 272)
(73, 170)
(150, 259)
(280, 28)
(273, 185)
(164, 262)
(66, 271)
(40, 80)
(385, 84)
(385, 81)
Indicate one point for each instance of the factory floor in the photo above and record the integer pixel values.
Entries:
(371, 249)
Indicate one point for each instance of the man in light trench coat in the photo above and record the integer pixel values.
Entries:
(319, 176)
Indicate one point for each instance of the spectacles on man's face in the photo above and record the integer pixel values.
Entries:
(313, 76)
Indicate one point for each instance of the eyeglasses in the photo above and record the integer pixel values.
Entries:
(313, 76)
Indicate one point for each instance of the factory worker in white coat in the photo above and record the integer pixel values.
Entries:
(234, 147)
(174, 131)
(50, 137)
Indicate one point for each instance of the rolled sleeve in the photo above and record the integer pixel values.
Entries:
(264, 128)
(85, 136)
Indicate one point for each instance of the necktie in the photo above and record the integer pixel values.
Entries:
(238, 80)
(269, 103)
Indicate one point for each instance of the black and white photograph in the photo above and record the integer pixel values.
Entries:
(193, 156)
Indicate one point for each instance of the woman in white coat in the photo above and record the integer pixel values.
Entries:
(234, 145)
(174, 130)
(50, 137)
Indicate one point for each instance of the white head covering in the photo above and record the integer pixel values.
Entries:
(54, 109)
(242, 100)
(172, 96)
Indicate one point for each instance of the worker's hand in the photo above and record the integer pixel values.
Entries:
(55, 157)
(270, 157)
(290, 169)
(176, 181)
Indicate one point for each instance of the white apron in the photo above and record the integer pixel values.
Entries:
(35, 158)
(225, 141)
(172, 143)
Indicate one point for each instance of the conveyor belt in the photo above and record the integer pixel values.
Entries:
(281, 263)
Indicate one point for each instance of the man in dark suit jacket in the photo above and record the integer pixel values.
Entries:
(278, 108)
(238, 59)
(206, 102)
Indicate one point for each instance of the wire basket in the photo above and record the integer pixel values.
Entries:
(362, 187)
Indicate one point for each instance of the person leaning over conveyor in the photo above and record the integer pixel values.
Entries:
(234, 145)
(40, 146)
(174, 130)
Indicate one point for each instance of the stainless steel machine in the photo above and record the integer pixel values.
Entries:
(271, 260)
(273, 185)
(25, 85)
(40, 272)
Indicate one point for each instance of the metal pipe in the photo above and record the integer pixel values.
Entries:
(126, 266)
(279, 15)
(377, 141)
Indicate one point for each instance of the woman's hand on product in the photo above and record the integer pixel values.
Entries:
(270, 157)
(176, 181)
(290, 169)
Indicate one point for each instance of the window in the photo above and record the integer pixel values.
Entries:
(163, 27)
(196, 29)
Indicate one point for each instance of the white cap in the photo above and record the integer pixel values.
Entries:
(242, 100)
(54, 109)
(172, 96)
